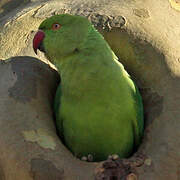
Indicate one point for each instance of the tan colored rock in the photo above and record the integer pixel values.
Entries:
(30, 148)
(145, 35)
(175, 4)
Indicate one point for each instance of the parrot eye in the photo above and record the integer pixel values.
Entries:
(56, 26)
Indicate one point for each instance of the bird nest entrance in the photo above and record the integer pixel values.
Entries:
(145, 60)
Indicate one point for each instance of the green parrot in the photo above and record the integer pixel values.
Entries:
(98, 107)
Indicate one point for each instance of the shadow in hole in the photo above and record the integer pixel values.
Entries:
(10, 5)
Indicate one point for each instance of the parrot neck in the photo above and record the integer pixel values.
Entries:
(93, 52)
(90, 65)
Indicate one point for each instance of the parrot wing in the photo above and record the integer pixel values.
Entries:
(57, 105)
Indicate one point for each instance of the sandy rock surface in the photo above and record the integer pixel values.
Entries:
(145, 35)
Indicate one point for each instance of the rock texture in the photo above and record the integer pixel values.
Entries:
(30, 148)
(145, 35)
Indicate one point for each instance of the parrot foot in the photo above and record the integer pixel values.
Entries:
(88, 158)
(113, 157)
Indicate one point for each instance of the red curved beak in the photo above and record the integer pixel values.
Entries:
(37, 41)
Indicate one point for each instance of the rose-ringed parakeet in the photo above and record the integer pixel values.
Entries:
(98, 107)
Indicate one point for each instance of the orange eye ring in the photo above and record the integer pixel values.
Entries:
(56, 26)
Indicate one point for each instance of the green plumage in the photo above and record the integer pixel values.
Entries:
(98, 107)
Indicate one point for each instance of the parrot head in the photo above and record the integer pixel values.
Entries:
(61, 36)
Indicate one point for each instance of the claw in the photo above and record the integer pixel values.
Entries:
(113, 157)
(88, 158)
(84, 158)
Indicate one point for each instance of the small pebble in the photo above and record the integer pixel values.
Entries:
(148, 162)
